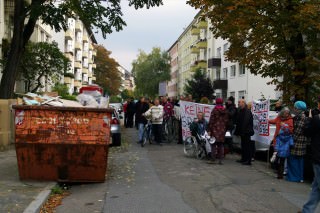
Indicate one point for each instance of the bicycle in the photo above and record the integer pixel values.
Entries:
(147, 134)
(168, 129)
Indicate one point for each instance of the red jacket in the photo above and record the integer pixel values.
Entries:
(277, 121)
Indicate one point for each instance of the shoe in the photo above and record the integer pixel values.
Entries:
(246, 164)
(220, 162)
(211, 162)
(240, 161)
(301, 181)
(252, 159)
(160, 144)
(279, 177)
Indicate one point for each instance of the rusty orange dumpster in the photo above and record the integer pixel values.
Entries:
(65, 144)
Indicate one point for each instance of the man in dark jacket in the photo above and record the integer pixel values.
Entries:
(232, 111)
(244, 129)
(313, 131)
(141, 107)
(130, 113)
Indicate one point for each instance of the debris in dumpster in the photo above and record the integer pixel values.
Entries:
(93, 99)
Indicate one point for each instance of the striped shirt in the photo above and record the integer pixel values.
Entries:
(156, 114)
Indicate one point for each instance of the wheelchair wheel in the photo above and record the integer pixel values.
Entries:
(190, 146)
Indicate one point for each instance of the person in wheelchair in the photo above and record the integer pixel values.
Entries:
(198, 128)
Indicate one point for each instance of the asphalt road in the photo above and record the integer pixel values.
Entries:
(161, 179)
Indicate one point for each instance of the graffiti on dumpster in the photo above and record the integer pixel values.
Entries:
(62, 120)
(19, 117)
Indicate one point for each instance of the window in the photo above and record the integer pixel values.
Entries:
(69, 46)
(85, 62)
(219, 52)
(225, 47)
(242, 69)
(79, 37)
(233, 94)
(218, 72)
(225, 73)
(218, 95)
(85, 77)
(209, 53)
(233, 71)
(241, 94)
(79, 56)
(85, 46)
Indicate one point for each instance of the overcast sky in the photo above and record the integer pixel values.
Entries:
(156, 27)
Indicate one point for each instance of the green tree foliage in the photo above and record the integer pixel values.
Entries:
(107, 73)
(199, 86)
(271, 38)
(149, 70)
(125, 94)
(63, 91)
(42, 61)
(105, 16)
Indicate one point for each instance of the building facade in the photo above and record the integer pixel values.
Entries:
(77, 43)
(199, 49)
(172, 85)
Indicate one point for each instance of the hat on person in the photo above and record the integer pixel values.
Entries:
(231, 98)
(300, 105)
(219, 101)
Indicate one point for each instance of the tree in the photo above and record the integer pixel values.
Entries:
(125, 94)
(271, 38)
(199, 86)
(149, 70)
(97, 15)
(42, 61)
(107, 73)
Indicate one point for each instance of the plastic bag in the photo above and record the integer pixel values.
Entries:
(87, 100)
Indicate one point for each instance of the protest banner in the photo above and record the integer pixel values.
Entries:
(188, 111)
(260, 111)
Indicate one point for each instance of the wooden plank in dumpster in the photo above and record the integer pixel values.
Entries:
(62, 143)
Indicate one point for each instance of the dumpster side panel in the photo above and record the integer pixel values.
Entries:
(70, 146)
(62, 162)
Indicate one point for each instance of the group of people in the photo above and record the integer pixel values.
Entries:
(225, 119)
(157, 111)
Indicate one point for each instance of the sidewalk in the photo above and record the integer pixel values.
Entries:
(16, 195)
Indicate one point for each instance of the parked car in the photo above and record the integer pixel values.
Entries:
(115, 129)
(117, 106)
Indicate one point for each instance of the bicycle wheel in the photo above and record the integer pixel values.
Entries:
(190, 146)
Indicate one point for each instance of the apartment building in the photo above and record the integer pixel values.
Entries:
(42, 33)
(122, 73)
(78, 45)
(172, 85)
(129, 81)
(198, 48)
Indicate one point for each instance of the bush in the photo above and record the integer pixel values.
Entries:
(61, 89)
(204, 100)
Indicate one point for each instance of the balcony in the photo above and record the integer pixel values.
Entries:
(94, 66)
(78, 46)
(94, 53)
(85, 38)
(77, 65)
(85, 54)
(90, 74)
(85, 71)
(68, 80)
(202, 25)
(93, 78)
(195, 50)
(78, 26)
(195, 31)
(77, 83)
(220, 84)
(214, 62)
(69, 35)
(202, 44)
(202, 64)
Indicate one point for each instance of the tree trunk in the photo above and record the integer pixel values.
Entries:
(21, 35)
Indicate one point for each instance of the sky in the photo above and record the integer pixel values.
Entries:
(155, 27)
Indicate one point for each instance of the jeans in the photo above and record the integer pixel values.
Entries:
(140, 128)
(314, 197)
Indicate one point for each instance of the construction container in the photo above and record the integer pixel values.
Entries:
(66, 144)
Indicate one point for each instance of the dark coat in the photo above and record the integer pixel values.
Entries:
(232, 111)
(313, 130)
(218, 123)
(244, 123)
(141, 108)
(131, 108)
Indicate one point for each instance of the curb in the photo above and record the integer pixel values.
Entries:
(36, 204)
